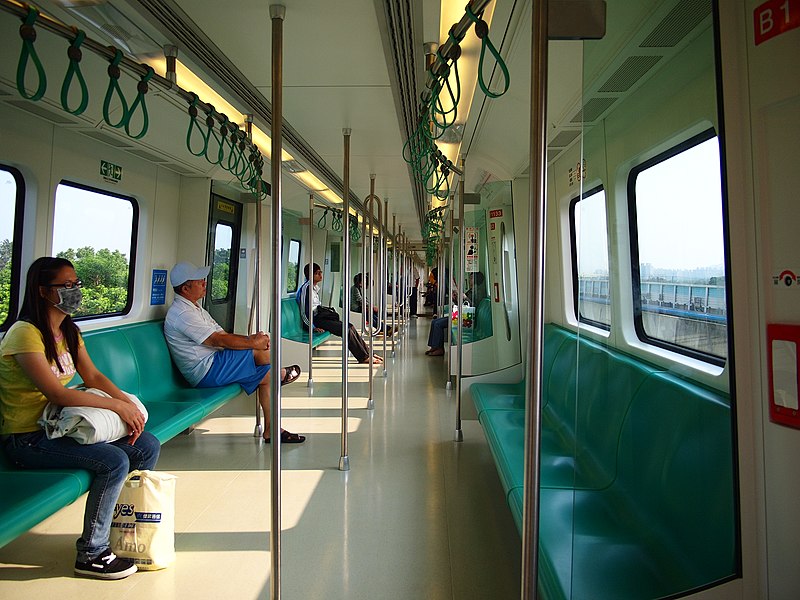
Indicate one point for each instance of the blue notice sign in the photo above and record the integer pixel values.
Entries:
(158, 293)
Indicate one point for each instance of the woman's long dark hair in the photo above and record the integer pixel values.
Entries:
(43, 271)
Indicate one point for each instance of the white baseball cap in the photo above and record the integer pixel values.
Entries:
(186, 271)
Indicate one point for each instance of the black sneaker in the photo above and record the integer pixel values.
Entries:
(106, 566)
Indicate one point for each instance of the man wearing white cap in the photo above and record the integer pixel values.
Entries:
(208, 356)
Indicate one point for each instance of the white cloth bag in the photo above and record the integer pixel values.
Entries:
(87, 424)
(143, 528)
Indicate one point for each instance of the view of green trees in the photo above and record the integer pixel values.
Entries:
(105, 279)
(220, 274)
(5, 278)
(104, 274)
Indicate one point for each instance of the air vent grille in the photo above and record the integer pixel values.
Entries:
(564, 138)
(681, 20)
(177, 168)
(593, 109)
(41, 111)
(148, 156)
(552, 153)
(106, 139)
(629, 72)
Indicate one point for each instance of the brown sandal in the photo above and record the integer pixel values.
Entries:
(288, 437)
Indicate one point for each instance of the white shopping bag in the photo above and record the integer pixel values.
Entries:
(143, 528)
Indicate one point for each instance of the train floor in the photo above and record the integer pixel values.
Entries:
(417, 516)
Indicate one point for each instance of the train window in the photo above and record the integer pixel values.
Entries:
(221, 267)
(96, 231)
(293, 266)
(12, 194)
(677, 249)
(589, 246)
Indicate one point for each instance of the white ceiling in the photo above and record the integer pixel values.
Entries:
(335, 76)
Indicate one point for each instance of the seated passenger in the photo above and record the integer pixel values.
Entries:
(439, 327)
(327, 319)
(357, 303)
(208, 356)
(39, 355)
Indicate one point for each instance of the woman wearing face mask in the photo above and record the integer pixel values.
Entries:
(39, 355)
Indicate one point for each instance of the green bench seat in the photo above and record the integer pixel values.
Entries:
(292, 325)
(637, 490)
(29, 497)
(136, 358)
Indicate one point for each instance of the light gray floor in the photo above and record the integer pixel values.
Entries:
(417, 516)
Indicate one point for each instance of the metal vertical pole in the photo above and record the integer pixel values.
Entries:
(395, 282)
(310, 285)
(384, 278)
(254, 322)
(344, 459)
(371, 291)
(462, 261)
(536, 249)
(277, 13)
(366, 324)
(451, 254)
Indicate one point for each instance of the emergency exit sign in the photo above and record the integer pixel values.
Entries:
(110, 172)
(774, 18)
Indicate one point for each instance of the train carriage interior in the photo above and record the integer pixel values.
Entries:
(575, 221)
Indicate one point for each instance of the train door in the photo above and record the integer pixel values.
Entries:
(224, 234)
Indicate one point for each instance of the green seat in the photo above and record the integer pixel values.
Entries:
(136, 358)
(487, 395)
(31, 496)
(292, 325)
(636, 473)
(669, 514)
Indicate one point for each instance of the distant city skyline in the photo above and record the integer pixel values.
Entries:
(679, 198)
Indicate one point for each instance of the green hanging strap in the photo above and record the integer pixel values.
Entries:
(212, 134)
(355, 231)
(193, 112)
(113, 88)
(228, 131)
(74, 70)
(322, 222)
(482, 31)
(336, 221)
(28, 35)
(240, 164)
(436, 106)
(232, 148)
(141, 88)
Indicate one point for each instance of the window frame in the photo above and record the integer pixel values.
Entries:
(297, 270)
(16, 247)
(573, 242)
(134, 243)
(636, 280)
(228, 296)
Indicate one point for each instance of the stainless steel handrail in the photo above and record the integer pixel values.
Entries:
(344, 459)
(536, 249)
(459, 433)
(310, 290)
(277, 14)
(369, 214)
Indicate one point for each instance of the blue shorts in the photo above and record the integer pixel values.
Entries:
(234, 366)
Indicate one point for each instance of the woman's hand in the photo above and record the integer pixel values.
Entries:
(132, 417)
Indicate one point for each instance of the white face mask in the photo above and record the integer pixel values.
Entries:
(69, 300)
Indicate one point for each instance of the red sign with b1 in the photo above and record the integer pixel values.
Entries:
(774, 18)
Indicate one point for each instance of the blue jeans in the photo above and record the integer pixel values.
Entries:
(110, 464)
(438, 333)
